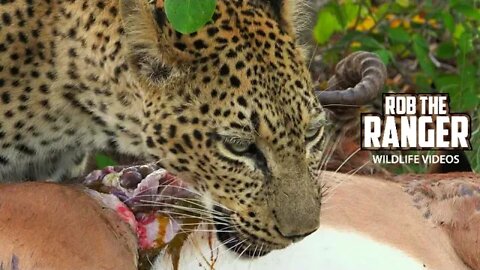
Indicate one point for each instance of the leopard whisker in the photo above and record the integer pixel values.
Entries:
(240, 255)
(234, 246)
(329, 154)
(211, 231)
(341, 105)
(353, 172)
(179, 207)
(200, 195)
(343, 181)
(211, 224)
(347, 159)
(313, 55)
(203, 223)
(183, 215)
(190, 201)
(197, 202)
(208, 219)
(231, 239)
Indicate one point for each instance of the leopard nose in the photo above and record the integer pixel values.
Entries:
(296, 211)
(296, 236)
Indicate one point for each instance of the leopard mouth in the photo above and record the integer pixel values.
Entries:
(236, 241)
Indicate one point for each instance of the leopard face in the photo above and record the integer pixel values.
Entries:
(232, 112)
(230, 108)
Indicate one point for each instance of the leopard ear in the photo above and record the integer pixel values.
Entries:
(297, 17)
(151, 41)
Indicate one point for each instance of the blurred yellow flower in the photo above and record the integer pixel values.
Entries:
(395, 23)
(355, 44)
(390, 17)
(366, 25)
(418, 19)
(433, 23)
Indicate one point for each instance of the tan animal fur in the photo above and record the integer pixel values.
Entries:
(432, 218)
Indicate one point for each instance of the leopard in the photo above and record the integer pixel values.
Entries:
(229, 109)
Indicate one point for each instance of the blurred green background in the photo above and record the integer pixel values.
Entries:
(428, 46)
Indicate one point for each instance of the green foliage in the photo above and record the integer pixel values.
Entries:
(103, 161)
(187, 16)
(428, 46)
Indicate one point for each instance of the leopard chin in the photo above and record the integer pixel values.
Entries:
(236, 241)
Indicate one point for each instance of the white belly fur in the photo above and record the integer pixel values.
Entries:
(326, 249)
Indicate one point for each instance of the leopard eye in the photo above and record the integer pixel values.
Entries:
(312, 133)
(237, 147)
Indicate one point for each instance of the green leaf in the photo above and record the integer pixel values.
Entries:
(458, 32)
(470, 101)
(468, 11)
(351, 12)
(103, 161)
(448, 21)
(382, 10)
(188, 16)
(448, 83)
(403, 3)
(384, 55)
(370, 43)
(327, 25)
(338, 11)
(446, 50)
(398, 35)
(466, 42)
(420, 47)
(423, 83)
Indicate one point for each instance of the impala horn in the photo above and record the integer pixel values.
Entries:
(358, 80)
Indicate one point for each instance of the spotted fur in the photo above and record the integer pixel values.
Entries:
(230, 108)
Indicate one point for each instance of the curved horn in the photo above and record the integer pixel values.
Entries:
(361, 75)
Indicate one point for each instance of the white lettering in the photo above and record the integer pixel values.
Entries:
(409, 131)
(442, 106)
(428, 139)
(389, 105)
(442, 131)
(390, 136)
(372, 131)
(460, 131)
(423, 100)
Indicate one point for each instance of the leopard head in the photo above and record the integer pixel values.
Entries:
(230, 109)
